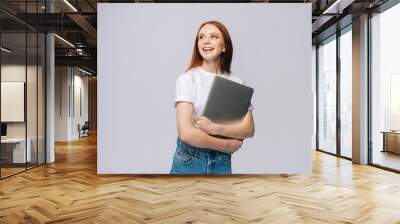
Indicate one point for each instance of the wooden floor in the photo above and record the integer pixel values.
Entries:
(5, 172)
(387, 159)
(70, 191)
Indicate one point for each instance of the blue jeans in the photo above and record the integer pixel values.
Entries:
(192, 160)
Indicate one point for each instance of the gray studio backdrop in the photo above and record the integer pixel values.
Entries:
(143, 48)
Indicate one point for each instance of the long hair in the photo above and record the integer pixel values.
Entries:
(226, 57)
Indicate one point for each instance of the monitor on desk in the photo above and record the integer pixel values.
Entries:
(3, 130)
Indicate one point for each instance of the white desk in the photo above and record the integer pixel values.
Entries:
(18, 150)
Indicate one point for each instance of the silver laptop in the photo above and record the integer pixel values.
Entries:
(227, 101)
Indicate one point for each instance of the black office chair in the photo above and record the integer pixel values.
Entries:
(84, 130)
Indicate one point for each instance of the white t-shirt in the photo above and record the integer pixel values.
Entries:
(194, 86)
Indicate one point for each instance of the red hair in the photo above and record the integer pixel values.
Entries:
(226, 57)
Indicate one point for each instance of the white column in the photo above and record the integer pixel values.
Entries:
(63, 101)
(50, 92)
(50, 110)
(360, 90)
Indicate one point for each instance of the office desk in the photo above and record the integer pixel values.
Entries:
(391, 141)
(13, 150)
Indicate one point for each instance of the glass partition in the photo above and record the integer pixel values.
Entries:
(32, 95)
(385, 89)
(22, 77)
(327, 96)
(13, 108)
(41, 87)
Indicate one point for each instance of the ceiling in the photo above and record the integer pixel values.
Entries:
(76, 22)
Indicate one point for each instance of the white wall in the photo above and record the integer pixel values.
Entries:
(12, 73)
(15, 73)
(33, 127)
(142, 48)
(68, 81)
(61, 103)
(80, 84)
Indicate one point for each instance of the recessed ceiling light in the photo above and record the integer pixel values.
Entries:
(338, 6)
(84, 71)
(64, 40)
(70, 5)
(5, 50)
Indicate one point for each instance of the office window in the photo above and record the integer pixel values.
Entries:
(346, 93)
(314, 90)
(327, 96)
(385, 90)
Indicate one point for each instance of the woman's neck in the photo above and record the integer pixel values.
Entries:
(211, 66)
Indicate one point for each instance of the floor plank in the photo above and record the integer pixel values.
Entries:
(70, 191)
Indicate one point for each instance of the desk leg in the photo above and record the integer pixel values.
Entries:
(384, 143)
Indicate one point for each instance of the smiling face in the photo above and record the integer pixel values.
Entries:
(210, 43)
(213, 44)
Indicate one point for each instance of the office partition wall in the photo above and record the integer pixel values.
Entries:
(13, 145)
(22, 64)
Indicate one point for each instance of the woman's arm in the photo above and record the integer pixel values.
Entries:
(198, 138)
(240, 130)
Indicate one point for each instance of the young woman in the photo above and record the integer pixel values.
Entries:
(198, 152)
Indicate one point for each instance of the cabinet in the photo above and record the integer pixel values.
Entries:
(391, 142)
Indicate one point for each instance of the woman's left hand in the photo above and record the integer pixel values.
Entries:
(206, 125)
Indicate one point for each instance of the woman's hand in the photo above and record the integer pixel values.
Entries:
(197, 137)
(241, 129)
(206, 125)
(233, 145)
